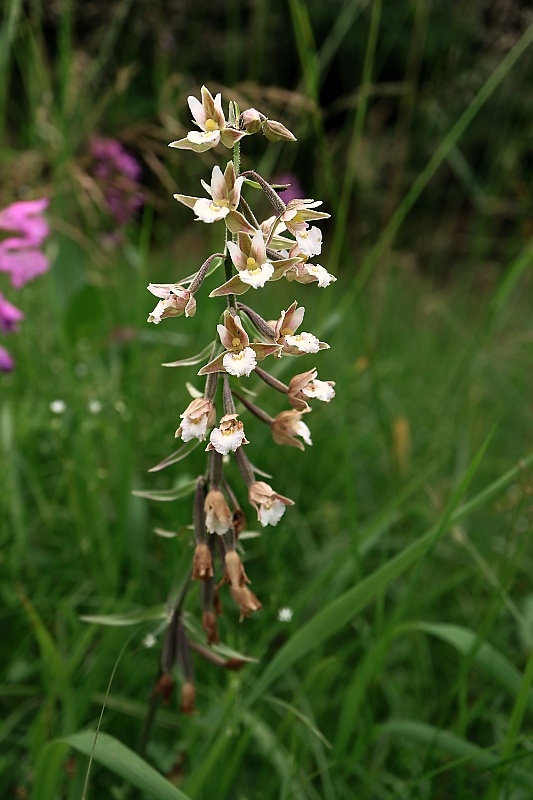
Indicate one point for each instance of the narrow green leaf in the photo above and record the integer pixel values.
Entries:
(178, 455)
(484, 654)
(128, 618)
(167, 495)
(338, 613)
(193, 360)
(124, 762)
(453, 745)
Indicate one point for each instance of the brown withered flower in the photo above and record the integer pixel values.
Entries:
(202, 565)
(165, 687)
(188, 696)
(210, 626)
(246, 600)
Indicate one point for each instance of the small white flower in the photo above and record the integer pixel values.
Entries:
(150, 640)
(94, 406)
(310, 241)
(228, 437)
(207, 210)
(270, 512)
(240, 363)
(305, 342)
(322, 275)
(218, 518)
(206, 139)
(257, 276)
(58, 406)
(285, 614)
(193, 429)
(196, 419)
(320, 390)
(174, 300)
(301, 429)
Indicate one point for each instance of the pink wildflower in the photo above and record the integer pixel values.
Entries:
(10, 316)
(19, 254)
(6, 361)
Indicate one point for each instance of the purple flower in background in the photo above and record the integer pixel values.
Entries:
(294, 191)
(21, 258)
(120, 174)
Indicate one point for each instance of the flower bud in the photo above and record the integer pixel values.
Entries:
(251, 120)
(276, 132)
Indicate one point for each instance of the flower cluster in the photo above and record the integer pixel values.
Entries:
(255, 256)
(21, 258)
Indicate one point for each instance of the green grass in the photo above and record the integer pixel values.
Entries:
(406, 669)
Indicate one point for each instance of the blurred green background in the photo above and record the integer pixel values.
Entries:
(406, 668)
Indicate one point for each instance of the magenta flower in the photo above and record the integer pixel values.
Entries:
(25, 218)
(10, 316)
(19, 254)
(6, 362)
(21, 258)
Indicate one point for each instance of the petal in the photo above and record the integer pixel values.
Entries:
(236, 223)
(190, 429)
(303, 343)
(310, 241)
(215, 365)
(197, 110)
(23, 265)
(229, 136)
(218, 115)
(263, 350)
(320, 390)
(233, 286)
(189, 144)
(208, 211)
(241, 363)
(257, 277)
(237, 256)
(219, 190)
(318, 273)
(235, 196)
(186, 200)
(6, 361)
(270, 513)
(258, 249)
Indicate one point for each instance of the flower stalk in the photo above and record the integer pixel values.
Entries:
(255, 256)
